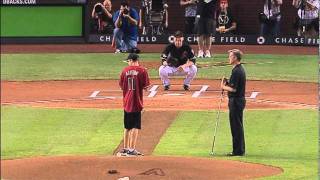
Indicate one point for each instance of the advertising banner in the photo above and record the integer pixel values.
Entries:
(41, 2)
(219, 40)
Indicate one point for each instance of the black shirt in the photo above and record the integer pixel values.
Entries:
(206, 10)
(238, 81)
(224, 18)
(183, 54)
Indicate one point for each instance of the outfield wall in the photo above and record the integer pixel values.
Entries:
(41, 21)
(68, 21)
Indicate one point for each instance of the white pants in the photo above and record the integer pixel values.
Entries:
(166, 71)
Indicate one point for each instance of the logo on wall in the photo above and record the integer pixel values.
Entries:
(261, 40)
(171, 39)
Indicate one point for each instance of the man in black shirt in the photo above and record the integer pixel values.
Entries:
(236, 88)
(178, 60)
(225, 21)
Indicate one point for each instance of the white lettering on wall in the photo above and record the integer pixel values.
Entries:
(19, 2)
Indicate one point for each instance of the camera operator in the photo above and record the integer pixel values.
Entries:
(190, 14)
(270, 18)
(102, 14)
(308, 23)
(205, 23)
(126, 32)
(225, 21)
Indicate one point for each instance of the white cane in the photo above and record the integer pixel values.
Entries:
(217, 122)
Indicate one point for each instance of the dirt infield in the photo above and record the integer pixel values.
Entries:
(106, 94)
(141, 168)
(147, 48)
(154, 125)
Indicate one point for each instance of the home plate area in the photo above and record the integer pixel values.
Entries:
(176, 90)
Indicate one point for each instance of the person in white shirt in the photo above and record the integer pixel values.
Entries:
(270, 18)
(308, 22)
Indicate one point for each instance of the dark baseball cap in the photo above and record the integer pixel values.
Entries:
(133, 57)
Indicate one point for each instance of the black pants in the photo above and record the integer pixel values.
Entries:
(236, 107)
(189, 25)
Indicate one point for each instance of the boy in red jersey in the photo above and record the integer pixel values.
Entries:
(133, 79)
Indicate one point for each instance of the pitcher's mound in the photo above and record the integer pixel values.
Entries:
(130, 168)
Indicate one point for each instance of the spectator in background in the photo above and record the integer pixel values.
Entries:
(205, 22)
(225, 21)
(102, 15)
(270, 18)
(308, 22)
(142, 15)
(126, 32)
(190, 14)
(154, 17)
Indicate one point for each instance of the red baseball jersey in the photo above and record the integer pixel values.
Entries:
(132, 81)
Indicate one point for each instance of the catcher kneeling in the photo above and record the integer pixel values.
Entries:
(178, 60)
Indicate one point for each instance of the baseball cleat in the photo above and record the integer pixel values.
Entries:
(135, 153)
(186, 87)
(166, 87)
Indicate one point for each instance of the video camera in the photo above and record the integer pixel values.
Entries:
(99, 10)
(125, 11)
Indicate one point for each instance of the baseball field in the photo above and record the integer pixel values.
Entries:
(62, 117)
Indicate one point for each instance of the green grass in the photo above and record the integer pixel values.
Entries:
(29, 132)
(26, 67)
(286, 139)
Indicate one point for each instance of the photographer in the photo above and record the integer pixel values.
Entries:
(190, 14)
(308, 22)
(126, 32)
(102, 15)
(270, 18)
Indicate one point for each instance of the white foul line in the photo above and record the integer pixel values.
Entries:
(154, 88)
(197, 93)
(153, 91)
(94, 94)
(254, 95)
(174, 94)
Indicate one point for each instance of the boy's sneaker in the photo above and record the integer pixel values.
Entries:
(123, 152)
(135, 153)
(200, 54)
(166, 87)
(208, 54)
(117, 51)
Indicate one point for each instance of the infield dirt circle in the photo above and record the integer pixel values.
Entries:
(105, 94)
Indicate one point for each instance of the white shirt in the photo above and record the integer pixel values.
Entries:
(312, 14)
(274, 9)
